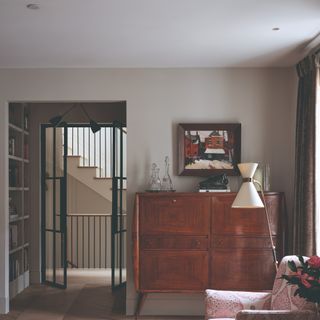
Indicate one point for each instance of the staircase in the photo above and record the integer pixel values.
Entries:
(88, 176)
(89, 159)
(90, 199)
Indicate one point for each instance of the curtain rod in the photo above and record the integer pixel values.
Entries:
(313, 46)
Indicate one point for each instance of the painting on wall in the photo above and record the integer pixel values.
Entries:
(207, 149)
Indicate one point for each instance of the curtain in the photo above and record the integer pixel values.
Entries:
(304, 211)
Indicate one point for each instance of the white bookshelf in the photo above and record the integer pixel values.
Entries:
(19, 198)
(19, 284)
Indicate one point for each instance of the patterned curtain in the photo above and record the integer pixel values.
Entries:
(304, 213)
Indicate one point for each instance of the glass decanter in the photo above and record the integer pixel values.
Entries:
(155, 182)
(166, 180)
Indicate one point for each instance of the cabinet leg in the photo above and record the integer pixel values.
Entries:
(140, 302)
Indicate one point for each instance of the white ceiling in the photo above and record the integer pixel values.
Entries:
(156, 33)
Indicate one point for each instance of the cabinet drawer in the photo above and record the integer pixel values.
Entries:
(174, 242)
(175, 215)
(241, 242)
(173, 271)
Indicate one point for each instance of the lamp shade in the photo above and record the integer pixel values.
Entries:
(247, 197)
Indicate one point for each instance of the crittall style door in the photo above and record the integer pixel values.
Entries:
(54, 155)
(54, 205)
(119, 182)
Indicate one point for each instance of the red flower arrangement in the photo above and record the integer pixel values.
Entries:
(306, 277)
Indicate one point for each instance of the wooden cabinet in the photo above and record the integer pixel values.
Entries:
(187, 242)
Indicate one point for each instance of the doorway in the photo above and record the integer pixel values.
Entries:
(83, 201)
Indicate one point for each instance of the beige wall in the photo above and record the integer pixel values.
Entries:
(262, 100)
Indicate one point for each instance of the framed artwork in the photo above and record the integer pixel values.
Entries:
(206, 149)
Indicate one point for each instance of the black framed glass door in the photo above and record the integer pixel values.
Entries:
(55, 146)
(119, 184)
(54, 205)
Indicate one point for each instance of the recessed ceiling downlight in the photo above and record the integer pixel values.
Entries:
(33, 6)
(275, 29)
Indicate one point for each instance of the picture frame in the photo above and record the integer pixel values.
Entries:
(206, 149)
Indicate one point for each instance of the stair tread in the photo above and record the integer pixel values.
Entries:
(102, 178)
(87, 167)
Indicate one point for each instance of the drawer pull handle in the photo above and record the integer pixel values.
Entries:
(174, 201)
(198, 243)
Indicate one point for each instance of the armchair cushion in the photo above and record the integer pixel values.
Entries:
(283, 294)
(226, 304)
(276, 315)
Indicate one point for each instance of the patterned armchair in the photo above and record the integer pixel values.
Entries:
(279, 304)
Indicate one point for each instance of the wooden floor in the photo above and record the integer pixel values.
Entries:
(88, 297)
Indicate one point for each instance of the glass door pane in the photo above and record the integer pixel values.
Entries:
(53, 205)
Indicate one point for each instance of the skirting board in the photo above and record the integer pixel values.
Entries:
(156, 306)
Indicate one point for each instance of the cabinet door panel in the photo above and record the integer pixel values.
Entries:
(175, 215)
(174, 242)
(227, 220)
(244, 270)
(174, 271)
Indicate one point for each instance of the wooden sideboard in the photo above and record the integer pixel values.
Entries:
(188, 242)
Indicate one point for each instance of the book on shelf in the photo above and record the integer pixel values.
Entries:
(13, 176)
(215, 190)
(12, 146)
(13, 212)
(13, 217)
(26, 262)
(17, 268)
(26, 151)
(26, 121)
(11, 269)
(14, 269)
(13, 236)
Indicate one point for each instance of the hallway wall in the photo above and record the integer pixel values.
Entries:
(262, 100)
